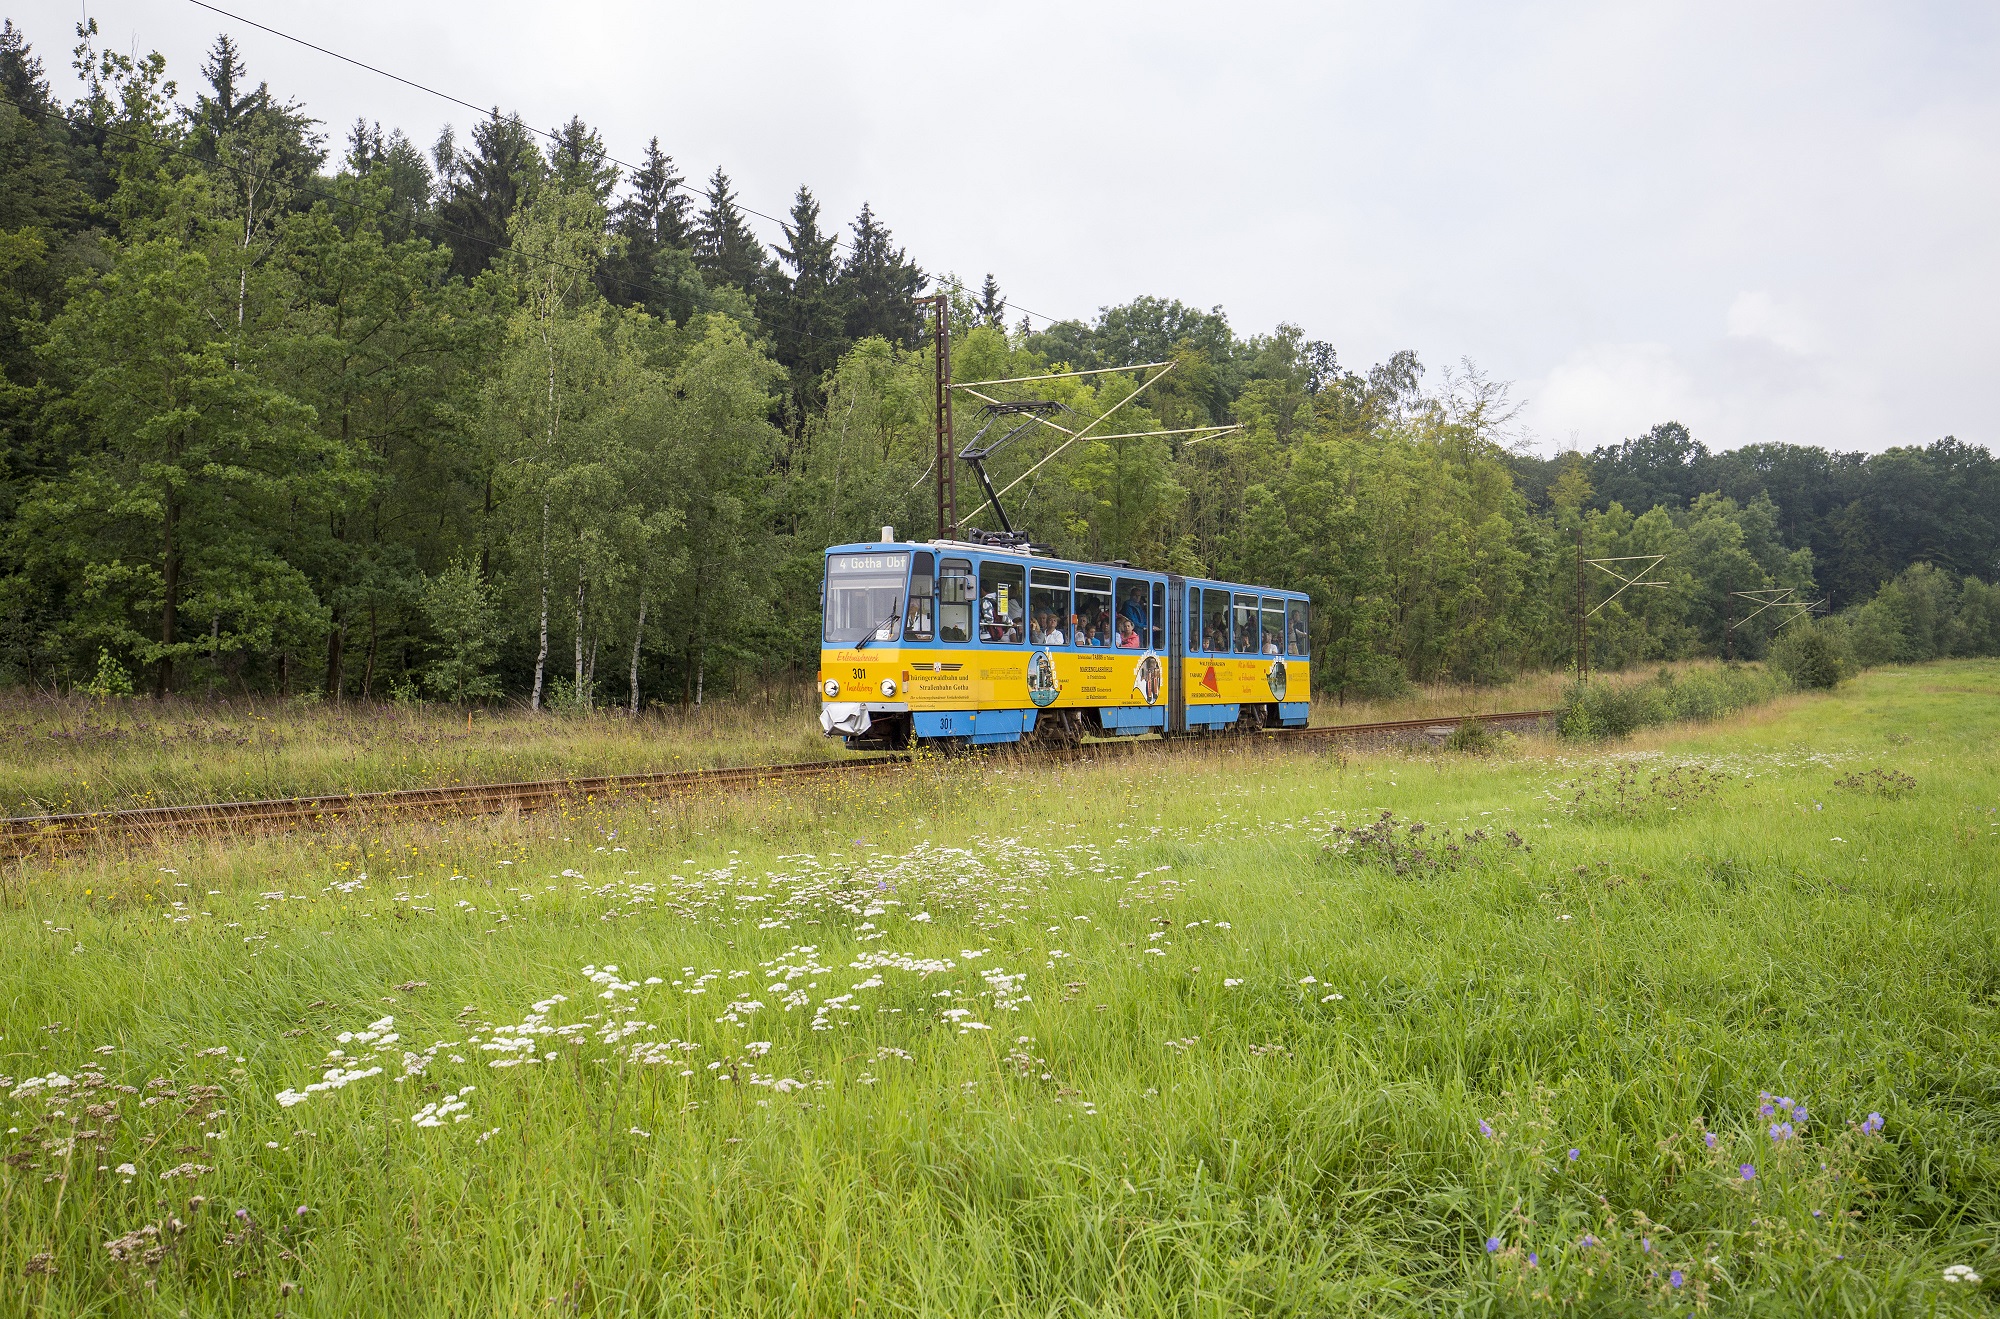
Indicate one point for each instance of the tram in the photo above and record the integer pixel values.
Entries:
(982, 642)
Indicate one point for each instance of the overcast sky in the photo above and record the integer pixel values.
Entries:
(1769, 222)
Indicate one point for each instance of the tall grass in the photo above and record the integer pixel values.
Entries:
(68, 753)
(1143, 1037)
(73, 753)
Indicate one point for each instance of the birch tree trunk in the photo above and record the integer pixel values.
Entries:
(638, 634)
(577, 692)
(542, 654)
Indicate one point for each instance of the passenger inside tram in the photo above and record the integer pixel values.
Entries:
(1128, 635)
(999, 618)
(1133, 605)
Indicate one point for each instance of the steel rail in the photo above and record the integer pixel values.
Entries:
(23, 834)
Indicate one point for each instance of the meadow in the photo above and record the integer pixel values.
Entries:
(69, 752)
(1702, 1021)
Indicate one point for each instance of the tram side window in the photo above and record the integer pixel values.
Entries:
(954, 600)
(1135, 615)
(1159, 616)
(1246, 624)
(1296, 612)
(1048, 607)
(921, 622)
(1215, 621)
(1274, 626)
(1090, 622)
(1003, 603)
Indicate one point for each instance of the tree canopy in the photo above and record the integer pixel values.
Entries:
(506, 418)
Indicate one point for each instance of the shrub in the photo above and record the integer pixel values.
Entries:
(1601, 710)
(111, 680)
(1808, 656)
(1470, 736)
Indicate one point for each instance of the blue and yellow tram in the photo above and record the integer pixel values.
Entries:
(963, 642)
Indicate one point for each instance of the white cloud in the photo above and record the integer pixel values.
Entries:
(1606, 392)
(1758, 315)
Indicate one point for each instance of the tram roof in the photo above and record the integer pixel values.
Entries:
(1042, 556)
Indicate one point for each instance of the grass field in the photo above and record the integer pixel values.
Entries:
(73, 753)
(1704, 1021)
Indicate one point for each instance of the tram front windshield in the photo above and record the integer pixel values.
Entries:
(864, 597)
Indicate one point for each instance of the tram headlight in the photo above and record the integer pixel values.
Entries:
(888, 686)
(831, 687)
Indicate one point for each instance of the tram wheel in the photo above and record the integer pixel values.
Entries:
(1060, 729)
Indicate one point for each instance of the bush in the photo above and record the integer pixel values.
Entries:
(1471, 736)
(111, 680)
(1808, 656)
(1601, 710)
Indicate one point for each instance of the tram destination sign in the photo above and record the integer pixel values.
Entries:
(869, 562)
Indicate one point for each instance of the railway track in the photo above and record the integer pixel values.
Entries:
(20, 835)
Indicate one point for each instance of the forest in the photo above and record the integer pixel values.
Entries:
(342, 416)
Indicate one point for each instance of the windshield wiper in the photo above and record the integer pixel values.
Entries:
(896, 617)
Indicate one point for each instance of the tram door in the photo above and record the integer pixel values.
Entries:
(1176, 651)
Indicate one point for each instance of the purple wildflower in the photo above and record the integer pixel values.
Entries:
(1799, 1115)
(1765, 1110)
(1646, 1245)
(1709, 1138)
(303, 1211)
(1492, 1244)
(1780, 1132)
(1675, 1279)
(1533, 1259)
(243, 1215)
(1749, 1171)
(1574, 1154)
(1485, 1130)
(1872, 1125)
(1588, 1241)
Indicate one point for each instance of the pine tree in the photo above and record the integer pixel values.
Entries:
(21, 80)
(577, 159)
(392, 162)
(809, 313)
(249, 128)
(479, 190)
(44, 244)
(651, 220)
(724, 248)
(41, 191)
(992, 307)
(881, 284)
(225, 73)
